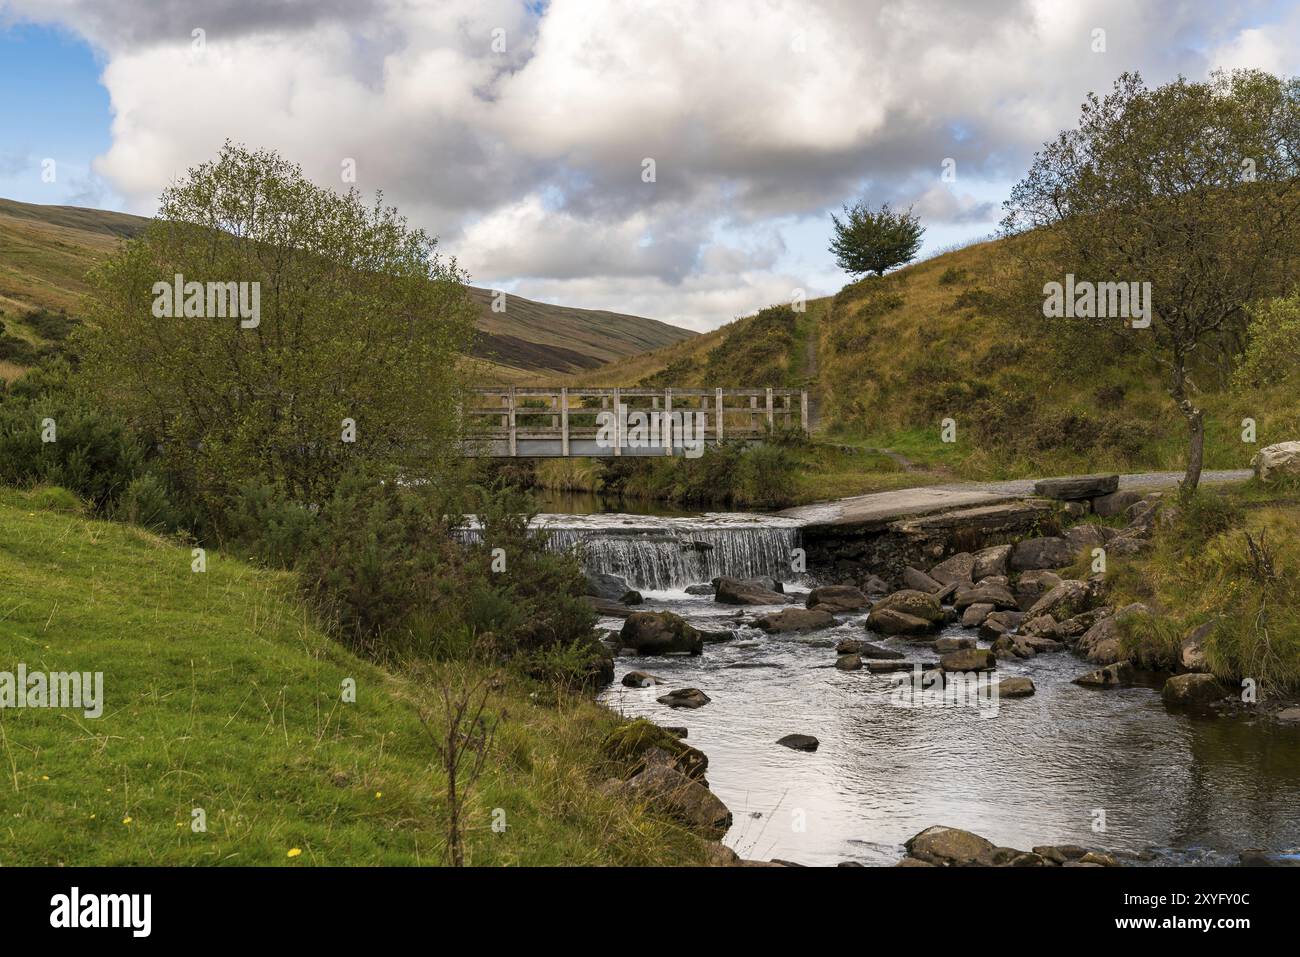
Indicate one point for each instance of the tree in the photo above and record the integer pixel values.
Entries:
(1192, 187)
(263, 327)
(873, 242)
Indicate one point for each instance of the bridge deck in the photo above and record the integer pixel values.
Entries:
(536, 421)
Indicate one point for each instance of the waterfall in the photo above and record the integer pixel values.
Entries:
(655, 553)
(674, 553)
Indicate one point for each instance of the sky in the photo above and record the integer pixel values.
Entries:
(672, 159)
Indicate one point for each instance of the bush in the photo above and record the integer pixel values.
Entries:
(147, 503)
(265, 525)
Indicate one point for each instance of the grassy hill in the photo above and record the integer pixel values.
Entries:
(45, 252)
(221, 695)
(895, 356)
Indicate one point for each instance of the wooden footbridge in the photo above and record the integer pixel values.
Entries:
(525, 422)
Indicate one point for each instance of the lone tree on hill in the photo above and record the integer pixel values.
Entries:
(1193, 187)
(872, 242)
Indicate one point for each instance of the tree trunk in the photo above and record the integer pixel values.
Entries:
(1195, 429)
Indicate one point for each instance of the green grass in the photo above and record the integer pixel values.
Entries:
(222, 695)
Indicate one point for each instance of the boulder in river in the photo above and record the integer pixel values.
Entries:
(685, 698)
(1118, 675)
(975, 614)
(1064, 601)
(670, 791)
(1047, 552)
(994, 560)
(737, 591)
(865, 649)
(1101, 643)
(944, 645)
(911, 602)
(1016, 686)
(660, 633)
(632, 597)
(838, 598)
(1192, 689)
(703, 589)
(1191, 653)
(874, 585)
(959, 569)
(891, 621)
(799, 742)
(848, 662)
(1076, 487)
(795, 619)
(640, 679)
(609, 587)
(1033, 585)
(948, 847)
(986, 592)
(918, 580)
(628, 745)
(968, 659)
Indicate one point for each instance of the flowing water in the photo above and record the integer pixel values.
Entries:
(1051, 768)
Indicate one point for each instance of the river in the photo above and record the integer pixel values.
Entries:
(1110, 769)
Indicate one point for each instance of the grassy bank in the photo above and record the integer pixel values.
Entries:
(221, 694)
(1229, 559)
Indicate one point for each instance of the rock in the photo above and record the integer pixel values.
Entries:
(1116, 503)
(1256, 857)
(1015, 687)
(1277, 461)
(914, 862)
(1142, 513)
(1064, 601)
(699, 589)
(838, 598)
(659, 633)
(956, 570)
(1085, 538)
(1042, 625)
(1191, 653)
(1075, 510)
(1077, 487)
(987, 592)
(1118, 675)
(799, 742)
(639, 679)
(889, 667)
(968, 659)
(1192, 689)
(1039, 643)
(889, 621)
(795, 619)
(1047, 552)
(920, 581)
(999, 623)
(1101, 643)
(632, 597)
(948, 847)
(1033, 585)
(875, 586)
(609, 587)
(1288, 716)
(716, 637)
(944, 645)
(848, 662)
(630, 744)
(1099, 859)
(995, 560)
(685, 698)
(910, 602)
(734, 591)
(1128, 544)
(1060, 853)
(974, 615)
(865, 649)
(722, 856)
(689, 801)
(1078, 625)
(606, 607)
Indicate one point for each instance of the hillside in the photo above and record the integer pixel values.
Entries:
(46, 251)
(219, 694)
(896, 356)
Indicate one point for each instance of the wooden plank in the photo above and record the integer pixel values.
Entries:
(514, 438)
(618, 419)
(564, 421)
(719, 413)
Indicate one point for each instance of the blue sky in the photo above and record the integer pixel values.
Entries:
(54, 108)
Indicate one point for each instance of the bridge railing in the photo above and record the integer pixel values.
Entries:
(517, 420)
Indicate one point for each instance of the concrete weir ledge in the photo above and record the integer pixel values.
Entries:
(880, 508)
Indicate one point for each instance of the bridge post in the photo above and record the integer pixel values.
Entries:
(668, 420)
(618, 423)
(717, 413)
(803, 409)
(514, 426)
(564, 421)
(770, 420)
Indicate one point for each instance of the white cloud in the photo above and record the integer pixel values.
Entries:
(528, 162)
